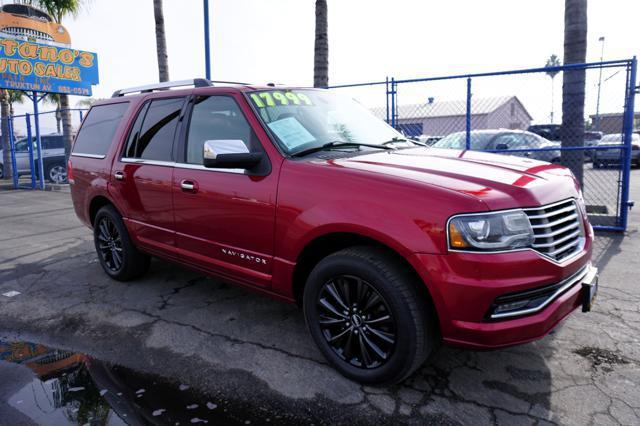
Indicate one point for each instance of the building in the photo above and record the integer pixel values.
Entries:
(612, 122)
(442, 118)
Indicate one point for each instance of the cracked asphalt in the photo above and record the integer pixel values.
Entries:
(256, 351)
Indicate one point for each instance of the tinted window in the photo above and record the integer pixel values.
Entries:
(155, 139)
(98, 129)
(217, 118)
(52, 142)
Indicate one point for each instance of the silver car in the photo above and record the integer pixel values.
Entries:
(610, 157)
(55, 169)
(504, 141)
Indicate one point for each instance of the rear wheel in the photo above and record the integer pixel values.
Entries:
(56, 172)
(119, 258)
(367, 315)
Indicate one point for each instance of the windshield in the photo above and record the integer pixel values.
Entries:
(305, 118)
(459, 140)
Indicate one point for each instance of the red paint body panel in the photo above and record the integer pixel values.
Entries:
(251, 230)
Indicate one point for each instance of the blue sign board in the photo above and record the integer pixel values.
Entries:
(37, 67)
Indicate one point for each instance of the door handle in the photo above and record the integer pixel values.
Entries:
(118, 175)
(188, 185)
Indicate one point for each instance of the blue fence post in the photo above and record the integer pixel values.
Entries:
(81, 115)
(27, 117)
(393, 102)
(628, 132)
(468, 118)
(386, 84)
(207, 41)
(36, 120)
(12, 147)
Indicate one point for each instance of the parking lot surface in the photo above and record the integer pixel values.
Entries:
(256, 353)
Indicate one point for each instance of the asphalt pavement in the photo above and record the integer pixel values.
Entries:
(255, 352)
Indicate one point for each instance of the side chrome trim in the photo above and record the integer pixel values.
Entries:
(180, 165)
(79, 154)
(568, 283)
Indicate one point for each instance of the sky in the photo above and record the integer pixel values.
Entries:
(262, 41)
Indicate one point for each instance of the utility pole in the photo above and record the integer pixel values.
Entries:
(207, 47)
(601, 39)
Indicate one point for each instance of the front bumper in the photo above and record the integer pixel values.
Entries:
(465, 286)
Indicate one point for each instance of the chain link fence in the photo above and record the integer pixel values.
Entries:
(520, 113)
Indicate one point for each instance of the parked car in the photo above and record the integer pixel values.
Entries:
(613, 156)
(389, 247)
(548, 131)
(504, 141)
(552, 132)
(55, 169)
(428, 140)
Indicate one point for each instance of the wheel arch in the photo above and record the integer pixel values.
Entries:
(324, 245)
(96, 204)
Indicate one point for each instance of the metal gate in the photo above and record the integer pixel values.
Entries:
(459, 111)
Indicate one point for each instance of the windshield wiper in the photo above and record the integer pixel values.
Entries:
(396, 140)
(338, 144)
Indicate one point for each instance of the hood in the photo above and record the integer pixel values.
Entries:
(500, 181)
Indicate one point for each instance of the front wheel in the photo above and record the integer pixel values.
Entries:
(368, 316)
(119, 258)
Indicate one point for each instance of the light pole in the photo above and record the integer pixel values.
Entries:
(601, 39)
(207, 48)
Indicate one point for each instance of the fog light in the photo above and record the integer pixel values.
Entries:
(512, 306)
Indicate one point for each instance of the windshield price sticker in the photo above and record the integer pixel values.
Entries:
(279, 98)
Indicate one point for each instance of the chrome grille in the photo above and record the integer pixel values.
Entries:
(26, 32)
(557, 229)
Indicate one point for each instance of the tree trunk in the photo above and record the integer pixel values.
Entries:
(573, 85)
(161, 42)
(67, 129)
(58, 119)
(321, 51)
(7, 170)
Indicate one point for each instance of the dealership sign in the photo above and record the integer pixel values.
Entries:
(29, 66)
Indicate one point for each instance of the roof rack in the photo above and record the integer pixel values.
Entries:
(196, 82)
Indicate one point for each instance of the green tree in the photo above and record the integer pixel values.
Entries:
(553, 61)
(573, 85)
(59, 9)
(161, 42)
(321, 48)
(56, 99)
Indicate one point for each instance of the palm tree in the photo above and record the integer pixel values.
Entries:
(321, 50)
(58, 9)
(573, 85)
(7, 99)
(56, 99)
(161, 42)
(553, 61)
(6, 169)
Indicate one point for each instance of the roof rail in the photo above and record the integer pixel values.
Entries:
(196, 82)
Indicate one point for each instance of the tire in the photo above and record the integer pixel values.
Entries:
(411, 326)
(56, 172)
(119, 258)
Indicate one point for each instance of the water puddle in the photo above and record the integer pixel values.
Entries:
(72, 388)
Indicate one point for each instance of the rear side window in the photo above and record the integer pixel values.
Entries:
(52, 142)
(98, 129)
(154, 131)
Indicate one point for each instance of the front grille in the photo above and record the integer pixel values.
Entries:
(557, 229)
(27, 32)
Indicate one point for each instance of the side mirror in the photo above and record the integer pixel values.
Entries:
(502, 147)
(229, 154)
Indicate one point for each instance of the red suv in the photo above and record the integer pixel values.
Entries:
(389, 246)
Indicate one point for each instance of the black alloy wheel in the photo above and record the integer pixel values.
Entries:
(110, 244)
(118, 256)
(356, 321)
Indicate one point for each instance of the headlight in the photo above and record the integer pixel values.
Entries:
(490, 231)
